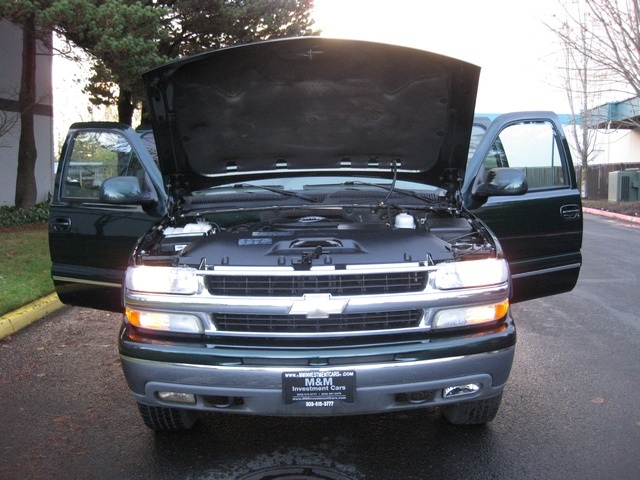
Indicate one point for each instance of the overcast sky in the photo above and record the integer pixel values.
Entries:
(508, 39)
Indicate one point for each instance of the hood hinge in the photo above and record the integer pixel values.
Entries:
(176, 189)
(452, 181)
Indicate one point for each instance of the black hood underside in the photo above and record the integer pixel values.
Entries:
(312, 104)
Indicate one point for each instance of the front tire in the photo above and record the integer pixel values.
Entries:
(476, 412)
(167, 419)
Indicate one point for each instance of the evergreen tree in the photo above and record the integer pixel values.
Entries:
(127, 37)
(187, 27)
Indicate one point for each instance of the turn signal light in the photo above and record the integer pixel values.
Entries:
(168, 322)
(468, 316)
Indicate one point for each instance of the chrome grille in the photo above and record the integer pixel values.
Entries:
(286, 286)
(350, 322)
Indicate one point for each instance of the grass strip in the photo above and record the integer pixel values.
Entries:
(25, 267)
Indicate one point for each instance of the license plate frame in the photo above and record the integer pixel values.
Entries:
(321, 388)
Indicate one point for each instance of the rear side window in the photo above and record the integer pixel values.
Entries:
(95, 157)
(531, 147)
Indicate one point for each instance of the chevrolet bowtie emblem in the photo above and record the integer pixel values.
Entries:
(317, 305)
(311, 53)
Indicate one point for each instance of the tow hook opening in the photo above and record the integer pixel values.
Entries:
(418, 397)
(221, 401)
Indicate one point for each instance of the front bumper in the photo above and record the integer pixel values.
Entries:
(388, 378)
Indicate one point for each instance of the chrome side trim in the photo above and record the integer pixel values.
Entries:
(88, 282)
(547, 270)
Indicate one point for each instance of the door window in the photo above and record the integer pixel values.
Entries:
(95, 157)
(531, 147)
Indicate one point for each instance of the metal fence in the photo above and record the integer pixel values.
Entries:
(598, 178)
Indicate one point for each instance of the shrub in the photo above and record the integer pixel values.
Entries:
(12, 217)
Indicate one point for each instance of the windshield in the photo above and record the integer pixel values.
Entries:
(319, 183)
(317, 192)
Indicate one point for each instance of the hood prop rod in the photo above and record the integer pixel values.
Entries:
(394, 170)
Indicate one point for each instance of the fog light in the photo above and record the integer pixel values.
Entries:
(460, 390)
(177, 397)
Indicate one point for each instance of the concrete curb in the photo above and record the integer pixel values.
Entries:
(12, 322)
(603, 213)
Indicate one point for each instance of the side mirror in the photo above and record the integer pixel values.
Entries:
(126, 191)
(502, 182)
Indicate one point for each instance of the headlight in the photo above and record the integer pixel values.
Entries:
(162, 280)
(469, 316)
(472, 273)
(169, 322)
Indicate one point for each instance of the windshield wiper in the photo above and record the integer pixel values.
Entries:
(391, 189)
(277, 190)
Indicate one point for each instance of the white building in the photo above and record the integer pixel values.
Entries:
(618, 137)
(10, 75)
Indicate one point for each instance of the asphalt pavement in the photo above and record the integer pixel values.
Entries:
(570, 409)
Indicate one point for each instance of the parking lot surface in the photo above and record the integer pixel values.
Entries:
(570, 410)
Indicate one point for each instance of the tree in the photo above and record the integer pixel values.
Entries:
(127, 37)
(582, 82)
(122, 36)
(26, 189)
(194, 26)
(607, 33)
(616, 39)
(601, 43)
(24, 13)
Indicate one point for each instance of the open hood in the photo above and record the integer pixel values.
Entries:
(312, 104)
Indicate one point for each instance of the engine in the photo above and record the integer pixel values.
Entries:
(313, 238)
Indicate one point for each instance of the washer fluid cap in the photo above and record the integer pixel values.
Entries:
(404, 220)
(190, 229)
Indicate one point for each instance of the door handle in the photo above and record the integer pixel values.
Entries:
(570, 212)
(61, 224)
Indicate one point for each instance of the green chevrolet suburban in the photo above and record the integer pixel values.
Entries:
(314, 227)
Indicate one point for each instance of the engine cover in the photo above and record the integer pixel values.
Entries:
(304, 248)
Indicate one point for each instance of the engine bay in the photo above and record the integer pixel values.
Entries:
(307, 237)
